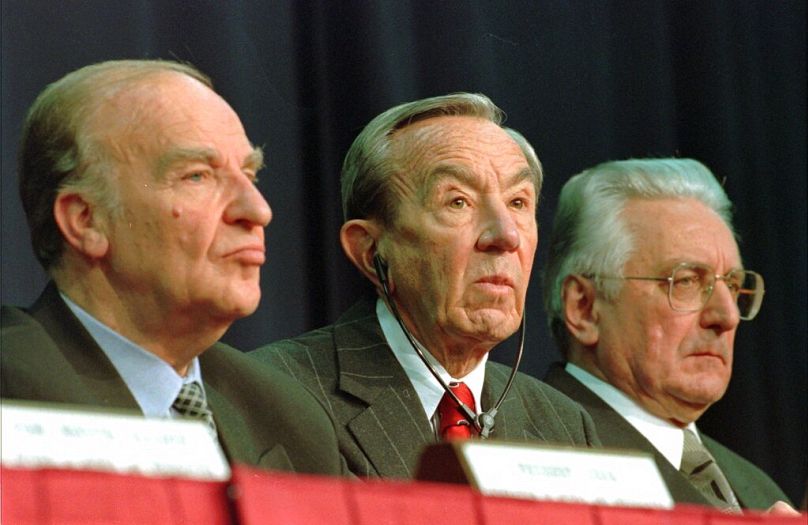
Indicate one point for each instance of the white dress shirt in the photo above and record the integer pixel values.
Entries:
(426, 386)
(664, 435)
(153, 383)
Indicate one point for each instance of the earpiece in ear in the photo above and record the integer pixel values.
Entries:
(381, 268)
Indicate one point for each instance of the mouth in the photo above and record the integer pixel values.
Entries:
(254, 254)
(495, 282)
(707, 353)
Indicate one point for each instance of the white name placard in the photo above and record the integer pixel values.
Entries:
(565, 474)
(39, 436)
(530, 470)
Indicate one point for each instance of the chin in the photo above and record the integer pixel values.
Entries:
(495, 328)
(238, 303)
(694, 403)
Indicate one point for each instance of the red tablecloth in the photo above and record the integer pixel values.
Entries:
(258, 497)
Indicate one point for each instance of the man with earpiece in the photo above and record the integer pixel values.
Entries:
(440, 216)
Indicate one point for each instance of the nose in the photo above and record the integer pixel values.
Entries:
(499, 230)
(721, 311)
(248, 206)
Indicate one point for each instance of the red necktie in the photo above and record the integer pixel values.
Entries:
(453, 423)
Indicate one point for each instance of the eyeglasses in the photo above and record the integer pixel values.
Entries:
(690, 286)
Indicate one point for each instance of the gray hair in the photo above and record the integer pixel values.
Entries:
(58, 151)
(369, 162)
(589, 235)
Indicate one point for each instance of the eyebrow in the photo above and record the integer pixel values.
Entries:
(669, 265)
(466, 176)
(254, 160)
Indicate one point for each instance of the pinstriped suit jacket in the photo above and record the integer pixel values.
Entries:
(381, 425)
(754, 488)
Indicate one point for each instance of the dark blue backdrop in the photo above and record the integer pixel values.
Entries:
(585, 81)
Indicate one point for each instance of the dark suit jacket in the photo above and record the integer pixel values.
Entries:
(755, 490)
(263, 418)
(380, 421)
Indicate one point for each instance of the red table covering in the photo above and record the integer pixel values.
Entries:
(253, 497)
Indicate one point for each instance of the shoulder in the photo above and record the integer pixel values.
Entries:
(237, 374)
(33, 365)
(315, 352)
(301, 356)
(240, 378)
(264, 409)
(222, 362)
(556, 416)
(14, 320)
(532, 389)
(24, 339)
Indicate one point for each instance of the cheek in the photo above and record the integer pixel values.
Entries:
(667, 349)
(526, 258)
(654, 347)
(187, 232)
(658, 355)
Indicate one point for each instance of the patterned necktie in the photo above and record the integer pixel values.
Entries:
(191, 403)
(453, 423)
(701, 469)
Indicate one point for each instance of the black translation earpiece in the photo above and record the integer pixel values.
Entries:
(381, 270)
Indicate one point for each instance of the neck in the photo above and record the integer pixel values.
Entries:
(458, 355)
(458, 358)
(676, 411)
(174, 337)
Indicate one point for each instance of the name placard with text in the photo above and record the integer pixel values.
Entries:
(605, 477)
(36, 435)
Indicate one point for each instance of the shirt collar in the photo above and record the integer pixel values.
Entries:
(153, 383)
(426, 386)
(666, 437)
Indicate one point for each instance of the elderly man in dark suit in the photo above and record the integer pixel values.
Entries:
(440, 216)
(645, 289)
(138, 183)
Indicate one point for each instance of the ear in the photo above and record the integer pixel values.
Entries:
(581, 317)
(82, 226)
(359, 239)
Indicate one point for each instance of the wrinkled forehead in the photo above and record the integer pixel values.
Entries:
(166, 110)
(470, 144)
(667, 231)
(130, 100)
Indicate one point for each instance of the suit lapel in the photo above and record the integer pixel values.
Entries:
(392, 429)
(235, 434)
(615, 432)
(100, 382)
(511, 421)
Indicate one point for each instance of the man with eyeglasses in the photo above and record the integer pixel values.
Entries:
(644, 289)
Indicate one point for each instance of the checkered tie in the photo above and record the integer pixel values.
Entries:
(699, 466)
(191, 403)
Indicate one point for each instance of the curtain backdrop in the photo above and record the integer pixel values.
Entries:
(585, 81)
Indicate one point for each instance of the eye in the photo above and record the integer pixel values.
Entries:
(251, 176)
(734, 282)
(519, 203)
(458, 203)
(686, 280)
(195, 176)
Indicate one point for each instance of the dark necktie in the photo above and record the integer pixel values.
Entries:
(699, 466)
(191, 403)
(453, 423)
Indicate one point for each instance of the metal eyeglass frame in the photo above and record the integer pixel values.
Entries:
(706, 293)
